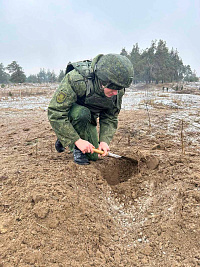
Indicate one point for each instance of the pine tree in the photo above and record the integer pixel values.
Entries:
(32, 78)
(135, 58)
(52, 78)
(124, 53)
(61, 75)
(4, 77)
(17, 74)
(177, 69)
(42, 76)
(148, 63)
(158, 64)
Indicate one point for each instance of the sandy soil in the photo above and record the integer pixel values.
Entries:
(109, 213)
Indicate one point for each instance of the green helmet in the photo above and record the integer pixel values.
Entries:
(115, 71)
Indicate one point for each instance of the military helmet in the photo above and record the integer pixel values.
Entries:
(114, 71)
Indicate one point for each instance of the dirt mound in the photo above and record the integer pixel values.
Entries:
(109, 213)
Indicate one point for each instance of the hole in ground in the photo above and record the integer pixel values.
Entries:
(116, 171)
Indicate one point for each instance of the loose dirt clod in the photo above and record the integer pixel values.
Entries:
(152, 162)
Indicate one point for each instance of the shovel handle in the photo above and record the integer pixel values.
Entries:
(98, 151)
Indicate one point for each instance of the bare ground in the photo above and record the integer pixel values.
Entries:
(109, 213)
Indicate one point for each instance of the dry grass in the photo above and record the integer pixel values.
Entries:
(27, 90)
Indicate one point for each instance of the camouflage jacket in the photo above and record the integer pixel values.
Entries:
(75, 88)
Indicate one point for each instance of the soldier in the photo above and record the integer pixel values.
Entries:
(89, 90)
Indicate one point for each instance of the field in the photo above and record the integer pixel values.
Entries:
(112, 212)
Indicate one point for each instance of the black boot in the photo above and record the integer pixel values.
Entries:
(79, 157)
(59, 147)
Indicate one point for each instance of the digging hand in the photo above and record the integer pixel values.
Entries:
(84, 146)
(104, 147)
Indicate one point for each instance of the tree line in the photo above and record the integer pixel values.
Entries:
(158, 64)
(154, 64)
(14, 73)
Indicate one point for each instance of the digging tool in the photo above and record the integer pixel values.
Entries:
(115, 155)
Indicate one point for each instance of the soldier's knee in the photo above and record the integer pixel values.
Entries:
(83, 114)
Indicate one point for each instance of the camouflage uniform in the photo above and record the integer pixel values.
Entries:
(78, 102)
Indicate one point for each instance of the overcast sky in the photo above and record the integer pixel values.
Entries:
(50, 33)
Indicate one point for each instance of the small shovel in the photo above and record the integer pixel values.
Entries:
(114, 155)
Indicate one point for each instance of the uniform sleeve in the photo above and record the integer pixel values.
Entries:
(108, 121)
(58, 113)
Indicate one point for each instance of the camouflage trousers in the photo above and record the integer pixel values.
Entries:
(84, 123)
